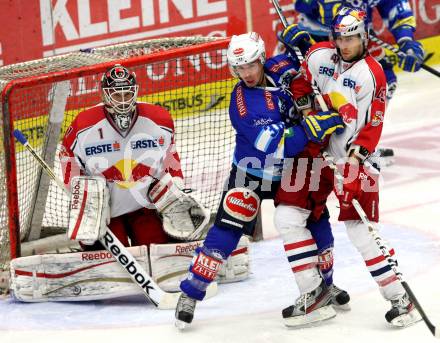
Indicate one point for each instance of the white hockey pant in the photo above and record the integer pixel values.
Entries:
(299, 245)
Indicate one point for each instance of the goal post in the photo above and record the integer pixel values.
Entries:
(188, 76)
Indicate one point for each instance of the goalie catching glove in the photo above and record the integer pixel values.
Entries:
(89, 209)
(183, 216)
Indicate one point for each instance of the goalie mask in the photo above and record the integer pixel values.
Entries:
(119, 93)
(244, 49)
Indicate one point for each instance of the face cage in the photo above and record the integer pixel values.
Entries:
(120, 100)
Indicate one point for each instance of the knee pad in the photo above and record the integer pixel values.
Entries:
(288, 219)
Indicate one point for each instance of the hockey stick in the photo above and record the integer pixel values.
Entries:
(299, 55)
(371, 228)
(400, 53)
(385, 251)
(159, 298)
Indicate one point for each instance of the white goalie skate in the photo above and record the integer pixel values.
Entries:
(311, 307)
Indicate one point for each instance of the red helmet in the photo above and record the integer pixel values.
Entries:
(119, 94)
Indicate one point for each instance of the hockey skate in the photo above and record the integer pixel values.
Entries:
(402, 313)
(311, 307)
(184, 311)
(340, 298)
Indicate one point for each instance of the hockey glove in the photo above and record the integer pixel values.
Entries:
(356, 181)
(322, 124)
(414, 55)
(293, 36)
(327, 10)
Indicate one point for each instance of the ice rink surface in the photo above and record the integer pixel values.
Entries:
(250, 311)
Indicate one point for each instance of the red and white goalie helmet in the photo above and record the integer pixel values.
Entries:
(119, 94)
(244, 49)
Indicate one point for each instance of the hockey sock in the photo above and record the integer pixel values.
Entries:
(218, 245)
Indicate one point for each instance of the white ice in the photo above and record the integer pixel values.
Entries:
(250, 311)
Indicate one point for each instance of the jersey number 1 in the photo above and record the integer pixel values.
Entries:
(101, 135)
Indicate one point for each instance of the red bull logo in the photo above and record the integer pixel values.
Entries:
(348, 113)
(238, 51)
(126, 173)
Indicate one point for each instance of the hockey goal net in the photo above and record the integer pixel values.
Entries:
(187, 76)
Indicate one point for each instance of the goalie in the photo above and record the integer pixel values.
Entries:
(120, 162)
(131, 145)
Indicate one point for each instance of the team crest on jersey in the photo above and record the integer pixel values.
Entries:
(348, 113)
(377, 118)
(116, 146)
(241, 203)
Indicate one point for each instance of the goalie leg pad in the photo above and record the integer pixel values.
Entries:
(236, 267)
(78, 276)
(169, 263)
(89, 212)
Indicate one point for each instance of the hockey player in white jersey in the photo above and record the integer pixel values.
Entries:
(353, 84)
(267, 131)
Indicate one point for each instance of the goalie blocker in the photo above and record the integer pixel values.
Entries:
(96, 275)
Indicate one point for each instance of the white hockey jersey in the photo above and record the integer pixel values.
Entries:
(92, 146)
(356, 90)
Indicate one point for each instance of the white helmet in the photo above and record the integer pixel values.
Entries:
(349, 22)
(244, 49)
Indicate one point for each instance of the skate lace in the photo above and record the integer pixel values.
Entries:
(334, 290)
(401, 303)
(303, 301)
(187, 304)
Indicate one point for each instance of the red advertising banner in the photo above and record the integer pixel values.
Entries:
(34, 29)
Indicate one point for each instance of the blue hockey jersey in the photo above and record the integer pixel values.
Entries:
(264, 119)
(396, 13)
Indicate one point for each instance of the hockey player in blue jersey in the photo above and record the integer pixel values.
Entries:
(316, 17)
(267, 131)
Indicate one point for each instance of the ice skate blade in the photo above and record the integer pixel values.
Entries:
(169, 300)
(181, 325)
(406, 320)
(318, 315)
(344, 308)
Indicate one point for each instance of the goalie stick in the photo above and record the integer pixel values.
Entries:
(371, 228)
(159, 298)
